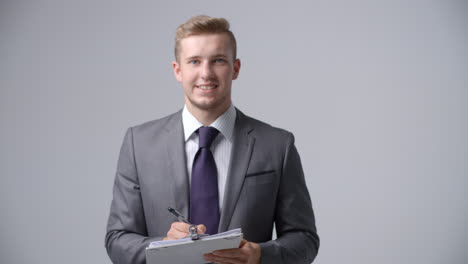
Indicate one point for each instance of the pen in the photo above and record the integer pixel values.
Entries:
(178, 215)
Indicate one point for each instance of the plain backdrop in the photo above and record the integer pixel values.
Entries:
(374, 91)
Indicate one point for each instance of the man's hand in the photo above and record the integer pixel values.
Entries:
(247, 253)
(181, 230)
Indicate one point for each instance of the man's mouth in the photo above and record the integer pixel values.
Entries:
(207, 86)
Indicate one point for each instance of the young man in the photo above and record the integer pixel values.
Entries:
(219, 167)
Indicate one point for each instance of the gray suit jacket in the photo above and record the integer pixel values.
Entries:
(265, 186)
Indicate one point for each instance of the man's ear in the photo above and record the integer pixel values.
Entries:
(176, 69)
(237, 65)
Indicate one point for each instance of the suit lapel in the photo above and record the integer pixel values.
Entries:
(242, 148)
(177, 165)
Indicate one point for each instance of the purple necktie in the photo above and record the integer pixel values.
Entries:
(204, 200)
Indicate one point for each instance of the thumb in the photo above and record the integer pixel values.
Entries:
(201, 229)
(242, 243)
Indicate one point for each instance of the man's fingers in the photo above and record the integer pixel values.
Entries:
(229, 253)
(222, 260)
(247, 253)
(180, 226)
(176, 234)
(177, 230)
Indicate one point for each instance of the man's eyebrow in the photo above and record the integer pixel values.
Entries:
(192, 58)
(219, 56)
(196, 57)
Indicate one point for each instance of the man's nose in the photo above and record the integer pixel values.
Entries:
(206, 71)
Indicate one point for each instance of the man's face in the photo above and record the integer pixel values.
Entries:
(206, 68)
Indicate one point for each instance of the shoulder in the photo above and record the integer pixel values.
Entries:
(162, 123)
(152, 127)
(264, 131)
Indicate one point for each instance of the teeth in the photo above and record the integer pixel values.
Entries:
(207, 87)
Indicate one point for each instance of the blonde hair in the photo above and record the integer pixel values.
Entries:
(201, 24)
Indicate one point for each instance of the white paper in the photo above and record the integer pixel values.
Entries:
(189, 251)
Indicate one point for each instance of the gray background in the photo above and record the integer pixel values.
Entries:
(375, 92)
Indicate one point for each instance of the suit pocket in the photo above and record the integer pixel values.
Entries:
(261, 177)
(259, 173)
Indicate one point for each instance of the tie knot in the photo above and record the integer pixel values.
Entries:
(206, 136)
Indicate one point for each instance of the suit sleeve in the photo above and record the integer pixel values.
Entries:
(126, 237)
(297, 240)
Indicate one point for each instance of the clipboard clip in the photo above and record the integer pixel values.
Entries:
(193, 230)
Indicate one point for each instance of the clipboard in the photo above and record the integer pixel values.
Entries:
(188, 251)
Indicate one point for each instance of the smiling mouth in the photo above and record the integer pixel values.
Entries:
(207, 86)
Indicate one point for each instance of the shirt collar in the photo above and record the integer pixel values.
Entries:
(224, 123)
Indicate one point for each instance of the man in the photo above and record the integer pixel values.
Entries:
(219, 167)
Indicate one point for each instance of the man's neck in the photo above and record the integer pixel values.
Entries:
(206, 117)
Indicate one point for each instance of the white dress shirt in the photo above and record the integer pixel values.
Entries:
(221, 146)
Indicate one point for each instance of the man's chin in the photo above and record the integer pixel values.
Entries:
(207, 106)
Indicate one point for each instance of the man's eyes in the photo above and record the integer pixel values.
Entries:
(196, 62)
